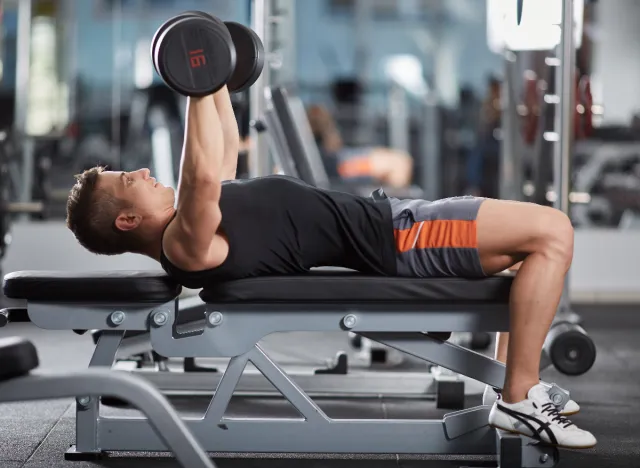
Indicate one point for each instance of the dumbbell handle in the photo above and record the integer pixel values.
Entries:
(22, 207)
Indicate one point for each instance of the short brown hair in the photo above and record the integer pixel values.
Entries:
(91, 216)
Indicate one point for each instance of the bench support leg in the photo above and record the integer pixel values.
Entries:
(88, 408)
(274, 374)
(516, 451)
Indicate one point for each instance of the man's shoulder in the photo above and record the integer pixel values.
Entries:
(182, 253)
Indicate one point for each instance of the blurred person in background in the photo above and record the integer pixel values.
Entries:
(386, 166)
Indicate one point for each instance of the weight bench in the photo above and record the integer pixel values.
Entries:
(19, 357)
(411, 315)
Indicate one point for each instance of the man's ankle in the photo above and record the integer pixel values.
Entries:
(516, 393)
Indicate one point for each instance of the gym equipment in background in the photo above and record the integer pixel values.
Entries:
(19, 357)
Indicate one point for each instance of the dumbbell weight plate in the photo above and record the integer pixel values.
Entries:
(163, 27)
(194, 56)
(250, 53)
(570, 349)
(169, 22)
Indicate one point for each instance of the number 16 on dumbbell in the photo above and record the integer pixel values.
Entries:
(196, 54)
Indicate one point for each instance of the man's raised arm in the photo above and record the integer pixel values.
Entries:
(198, 212)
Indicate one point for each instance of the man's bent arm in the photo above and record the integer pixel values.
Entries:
(199, 189)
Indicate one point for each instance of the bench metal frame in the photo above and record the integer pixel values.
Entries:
(359, 382)
(234, 331)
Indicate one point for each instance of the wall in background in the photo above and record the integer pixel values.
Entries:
(616, 63)
(322, 34)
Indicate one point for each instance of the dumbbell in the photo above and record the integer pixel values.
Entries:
(569, 348)
(196, 54)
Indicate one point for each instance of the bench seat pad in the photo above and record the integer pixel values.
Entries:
(345, 286)
(316, 287)
(91, 287)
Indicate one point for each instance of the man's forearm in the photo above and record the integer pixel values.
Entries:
(230, 133)
(203, 151)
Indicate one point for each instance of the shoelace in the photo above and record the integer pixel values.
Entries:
(552, 411)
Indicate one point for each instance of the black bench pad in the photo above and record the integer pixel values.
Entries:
(317, 286)
(91, 287)
(346, 286)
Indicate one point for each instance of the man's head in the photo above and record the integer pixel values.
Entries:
(116, 212)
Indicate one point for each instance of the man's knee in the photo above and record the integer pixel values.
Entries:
(555, 236)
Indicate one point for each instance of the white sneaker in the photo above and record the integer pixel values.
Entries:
(491, 396)
(537, 417)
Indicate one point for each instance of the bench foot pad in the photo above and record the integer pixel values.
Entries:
(73, 455)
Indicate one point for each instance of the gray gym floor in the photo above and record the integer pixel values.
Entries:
(36, 435)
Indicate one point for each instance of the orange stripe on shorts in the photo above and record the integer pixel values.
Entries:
(355, 167)
(437, 234)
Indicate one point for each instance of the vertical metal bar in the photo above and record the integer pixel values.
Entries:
(431, 149)
(362, 23)
(290, 37)
(565, 88)
(259, 160)
(116, 88)
(23, 69)
(69, 52)
(365, 130)
(398, 118)
(511, 171)
(23, 65)
(87, 415)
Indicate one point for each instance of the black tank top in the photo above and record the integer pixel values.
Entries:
(278, 225)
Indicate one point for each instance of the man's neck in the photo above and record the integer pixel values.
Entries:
(154, 249)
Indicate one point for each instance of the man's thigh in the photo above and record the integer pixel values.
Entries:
(438, 238)
(508, 231)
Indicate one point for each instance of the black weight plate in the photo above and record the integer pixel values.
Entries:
(250, 57)
(573, 353)
(163, 27)
(194, 56)
(18, 357)
(169, 22)
(450, 395)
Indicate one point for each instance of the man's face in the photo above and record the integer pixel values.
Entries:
(139, 190)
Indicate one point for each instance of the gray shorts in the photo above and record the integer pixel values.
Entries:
(437, 238)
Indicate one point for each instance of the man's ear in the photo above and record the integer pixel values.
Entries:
(128, 221)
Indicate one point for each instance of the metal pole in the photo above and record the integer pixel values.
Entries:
(23, 65)
(398, 118)
(23, 68)
(431, 149)
(69, 52)
(511, 171)
(565, 88)
(259, 159)
(116, 89)
(362, 24)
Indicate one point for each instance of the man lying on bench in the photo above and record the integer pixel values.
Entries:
(225, 229)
